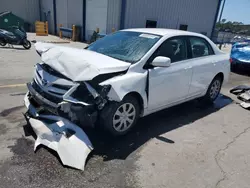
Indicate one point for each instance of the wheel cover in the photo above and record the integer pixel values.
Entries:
(124, 117)
(215, 89)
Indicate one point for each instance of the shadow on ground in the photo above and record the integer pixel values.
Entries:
(241, 72)
(14, 48)
(153, 126)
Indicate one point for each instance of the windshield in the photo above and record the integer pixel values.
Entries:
(124, 45)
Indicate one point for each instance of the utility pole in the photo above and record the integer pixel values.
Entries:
(221, 12)
(222, 8)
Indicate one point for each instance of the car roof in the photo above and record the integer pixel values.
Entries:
(164, 32)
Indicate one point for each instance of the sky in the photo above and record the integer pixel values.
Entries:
(237, 10)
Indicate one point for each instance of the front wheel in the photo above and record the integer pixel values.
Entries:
(3, 43)
(119, 118)
(213, 89)
(26, 44)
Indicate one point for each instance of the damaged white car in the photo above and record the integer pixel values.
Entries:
(116, 80)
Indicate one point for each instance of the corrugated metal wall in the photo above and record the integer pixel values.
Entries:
(26, 9)
(197, 14)
(114, 13)
(69, 12)
(96, 16)
(62, 13)
(47, 14)
(75, 12)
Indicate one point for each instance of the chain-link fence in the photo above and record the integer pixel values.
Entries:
(229, 38)
(224, 40)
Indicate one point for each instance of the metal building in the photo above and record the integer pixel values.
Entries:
(28, 10)
(192, 15)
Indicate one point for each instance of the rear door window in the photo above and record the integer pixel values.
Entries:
(200, 47)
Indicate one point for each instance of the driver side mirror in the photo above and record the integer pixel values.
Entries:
(161, 61)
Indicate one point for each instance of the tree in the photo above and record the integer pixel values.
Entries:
(234, 27)
(223, 20)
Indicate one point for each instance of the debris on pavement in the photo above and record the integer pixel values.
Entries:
(243, 94)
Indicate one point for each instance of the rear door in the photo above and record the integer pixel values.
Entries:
(203, 63)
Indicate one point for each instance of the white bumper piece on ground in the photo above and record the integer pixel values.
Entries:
(67, 139)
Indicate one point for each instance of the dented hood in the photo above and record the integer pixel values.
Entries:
(80, 64)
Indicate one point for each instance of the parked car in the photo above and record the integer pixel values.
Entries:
(126, 75)
(240, 57)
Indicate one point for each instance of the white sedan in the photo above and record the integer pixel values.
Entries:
(126, 75)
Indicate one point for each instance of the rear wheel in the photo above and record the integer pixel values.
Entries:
(119, 118)
(213, 89)
(26, 44)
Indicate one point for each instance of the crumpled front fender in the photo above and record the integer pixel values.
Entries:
(128, 83)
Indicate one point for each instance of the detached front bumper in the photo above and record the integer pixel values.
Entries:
(59, 134)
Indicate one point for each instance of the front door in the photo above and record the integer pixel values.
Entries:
(168, 85)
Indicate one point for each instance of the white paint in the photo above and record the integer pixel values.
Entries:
(96, 16)
(72, 150)
(161, 61)
(168, 86)
(80, 64)
(43, 47)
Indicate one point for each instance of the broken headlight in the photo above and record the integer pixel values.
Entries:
(86, 93)
(82, 94)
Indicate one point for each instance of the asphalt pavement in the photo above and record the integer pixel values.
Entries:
(190, 145)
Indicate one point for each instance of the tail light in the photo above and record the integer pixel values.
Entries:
(231, 60)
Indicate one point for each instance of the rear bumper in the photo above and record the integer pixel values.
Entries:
(239, 65)
(59, 134)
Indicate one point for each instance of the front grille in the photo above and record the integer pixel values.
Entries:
(52, 71)
(46, 95)
(64, 87)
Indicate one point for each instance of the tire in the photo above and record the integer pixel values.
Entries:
(213, 90)
(26, 44)
(3, 43)
(115, 121)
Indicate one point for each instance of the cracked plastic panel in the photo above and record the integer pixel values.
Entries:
(66, 138)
